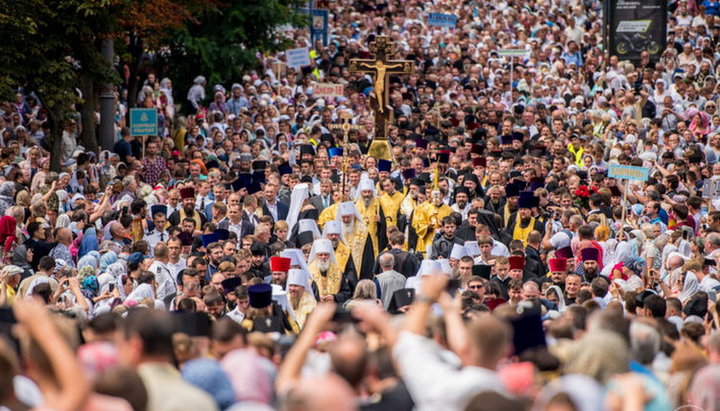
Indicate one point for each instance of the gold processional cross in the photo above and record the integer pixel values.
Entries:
(381, 68)
(345, 126)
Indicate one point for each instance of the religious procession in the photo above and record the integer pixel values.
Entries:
(448, 205)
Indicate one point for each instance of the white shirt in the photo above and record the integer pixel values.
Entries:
(435, 384)
(463, 212)
(499, 249)
(560, 240)
(236, 228)
(154, 237)
(164, 279)
(175, 268)
(708, 284)
(201, 202)
(273, 210)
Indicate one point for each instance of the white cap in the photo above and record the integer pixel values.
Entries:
(296, 256)
(308, 224)
(458, 252)
(445, 266)
(429, 267)
(472, 248)
(322, 245)
(332, 227)
(347, 208)
(366, 184)
(299, 277)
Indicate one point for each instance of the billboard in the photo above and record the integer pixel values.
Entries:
(635, 26)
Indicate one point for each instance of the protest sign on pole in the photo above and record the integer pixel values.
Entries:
(328, 90)
(442, 20)
(297, 58)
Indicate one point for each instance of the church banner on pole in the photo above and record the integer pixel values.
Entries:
(635, 26)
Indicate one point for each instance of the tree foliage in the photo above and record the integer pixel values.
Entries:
(224, 41)
(52, 47)
(47, 45)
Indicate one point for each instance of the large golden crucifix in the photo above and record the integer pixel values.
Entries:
(381, 68)
(345, 126)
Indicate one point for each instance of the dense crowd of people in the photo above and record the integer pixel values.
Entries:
(254, 256)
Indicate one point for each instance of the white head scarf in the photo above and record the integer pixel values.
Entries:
(561, 297)
(296, 256)
(623, 251)
(300, 193)
(308, 224)
(37, 281)
(690, 287)
(140, 293)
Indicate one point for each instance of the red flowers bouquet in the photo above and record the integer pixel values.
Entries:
(582, 196)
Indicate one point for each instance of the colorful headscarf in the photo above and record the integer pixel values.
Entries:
(90, 286)
(107, 259)
(208, 375)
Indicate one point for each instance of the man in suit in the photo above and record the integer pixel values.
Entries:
(248, 214)
(324, 200)
(235, 224)
(272, 206)
(404, 262)
(220, 193)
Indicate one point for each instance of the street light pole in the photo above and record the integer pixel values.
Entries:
(107, 102)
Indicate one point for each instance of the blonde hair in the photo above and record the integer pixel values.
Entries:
(602, 233)
(365, 290)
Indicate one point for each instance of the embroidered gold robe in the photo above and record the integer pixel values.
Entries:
(327, 214)
(304, 307)
(426, 220)
(328, 284)
(391, 205)
(370, 216)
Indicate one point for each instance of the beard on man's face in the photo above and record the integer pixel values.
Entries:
(323, 265)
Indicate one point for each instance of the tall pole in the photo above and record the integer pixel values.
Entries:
(107, 102)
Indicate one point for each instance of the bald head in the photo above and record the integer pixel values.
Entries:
(64, 236)
(675, 261)
(349, 358)
(116, 229)
(326, 393)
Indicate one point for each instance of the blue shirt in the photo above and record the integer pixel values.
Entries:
(711, 7)
(573, 58)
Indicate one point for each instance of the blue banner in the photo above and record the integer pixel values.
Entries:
(319, 19)
(628, 172)
(319, 26)
(442, 20)
(143, 122)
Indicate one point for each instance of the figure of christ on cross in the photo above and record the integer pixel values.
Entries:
(381, 68)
